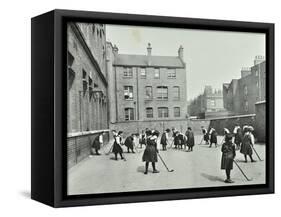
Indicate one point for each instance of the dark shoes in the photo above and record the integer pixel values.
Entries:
(145, 173)
(155, 171)
(228, 181)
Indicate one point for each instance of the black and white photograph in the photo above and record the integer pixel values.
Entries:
(156, 108)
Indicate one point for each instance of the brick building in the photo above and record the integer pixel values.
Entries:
(241, 95)
(146, 90)
(207, 105)
(87, 109)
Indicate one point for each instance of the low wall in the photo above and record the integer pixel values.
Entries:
(230, 122)
(130, 127)
(260, 124)
(79, 146)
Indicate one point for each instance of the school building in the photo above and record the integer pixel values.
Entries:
(87, 98)
(146, 90)
(240, 96)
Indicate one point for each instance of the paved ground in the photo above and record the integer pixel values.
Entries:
(200, 168)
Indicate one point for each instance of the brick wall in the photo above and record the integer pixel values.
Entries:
(181, 125)
(79, 147)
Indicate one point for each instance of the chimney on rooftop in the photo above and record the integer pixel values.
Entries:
(149, 49)
(115, 49)
(180, 52)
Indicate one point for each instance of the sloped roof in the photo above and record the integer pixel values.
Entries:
(144, 60)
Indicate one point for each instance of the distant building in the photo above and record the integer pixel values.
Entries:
(145, 90)
(241, 95)
(207, 105)
(87, 109)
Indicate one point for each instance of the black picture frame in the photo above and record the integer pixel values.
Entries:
(48, 163)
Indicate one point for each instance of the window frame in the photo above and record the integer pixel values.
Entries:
(128, 86)
(147, 114)
(157, 93)
(129, 110)
(163, 108)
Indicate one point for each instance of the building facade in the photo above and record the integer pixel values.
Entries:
(241, 95)
(87, 102)
(207, 105)
(146, 88)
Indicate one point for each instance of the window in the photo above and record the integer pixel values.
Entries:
(177, 112)
(143, 72)
(156, 73)
(71, 73)
(90, 81)
(84, 81)
(128, 72)
(245, 90)
(246, 106)
(149, 112)
(148, 92)
(163, 112)
(176, 93)
(162, 92)
(171, 73)
(128, 92)
(257, 84)
(129, 114)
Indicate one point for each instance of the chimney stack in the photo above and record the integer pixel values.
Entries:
(115, 49)
(180, 52)
(149, 49)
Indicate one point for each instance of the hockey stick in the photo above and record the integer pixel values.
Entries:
(248, 179)
(165, 164)
(256, 153)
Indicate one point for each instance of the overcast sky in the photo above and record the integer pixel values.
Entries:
(212, 57)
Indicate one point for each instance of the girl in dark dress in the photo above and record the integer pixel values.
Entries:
(98, 141)
(129, 143)
(247, 142)
(190, 139)
(117, 149)
(164, 139)
(142, 139)
(228, 155)
(205, 136)
(238, 137)
(150, 152)
(213, 138)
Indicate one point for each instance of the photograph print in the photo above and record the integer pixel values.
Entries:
(156, 108)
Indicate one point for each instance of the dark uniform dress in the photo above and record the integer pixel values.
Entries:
(150, 152)
(129, 143)
(163, 141)
(142, 140)
(228, 154)
(190, 139)
(246, 148)
(117, 149)
(206, 136)
(238, 138)
(96, 144)
(214, 137)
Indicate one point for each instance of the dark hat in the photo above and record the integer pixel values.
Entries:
(120, 132)
(189, 128)
(168, 130)
(156, 133)
(148, 132)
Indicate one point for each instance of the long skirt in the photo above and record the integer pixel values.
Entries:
(150, 154)
(227, 161)
(206, 137)
(246, 149)
(117, 148)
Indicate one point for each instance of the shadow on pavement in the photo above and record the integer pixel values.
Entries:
(212, 178)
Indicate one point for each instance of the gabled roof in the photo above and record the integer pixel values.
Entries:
(144, 60)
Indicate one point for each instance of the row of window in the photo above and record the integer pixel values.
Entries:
(128, 72)
(163, 112)
(161, 92)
